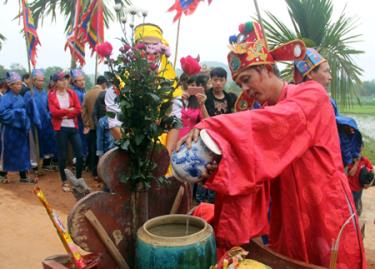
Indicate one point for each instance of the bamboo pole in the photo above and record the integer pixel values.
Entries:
(177, 41)
(96, 67)
(34, 130)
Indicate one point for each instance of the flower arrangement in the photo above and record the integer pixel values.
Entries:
(145, 99)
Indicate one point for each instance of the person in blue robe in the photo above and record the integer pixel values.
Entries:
(46, 136)
(16, 117)
(78, 83)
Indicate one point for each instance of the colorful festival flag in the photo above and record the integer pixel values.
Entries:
(74, 41)
(31, 35)
(92, 26)
(185, 6)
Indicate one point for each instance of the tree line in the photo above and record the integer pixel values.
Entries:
(47, 73)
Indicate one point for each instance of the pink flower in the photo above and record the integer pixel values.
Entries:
(153, 66)
(104, 49)
(125, 48)
(190, 65)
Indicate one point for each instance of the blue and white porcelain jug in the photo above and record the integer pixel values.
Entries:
(188, 165)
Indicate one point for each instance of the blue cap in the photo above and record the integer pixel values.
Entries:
(37, 73)
(12, 77)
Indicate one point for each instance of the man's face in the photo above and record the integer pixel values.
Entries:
(218, 83)
(323, 75)
(16, 87)
(80, 82)
(27, 81)
(257, 83)
(38, 82)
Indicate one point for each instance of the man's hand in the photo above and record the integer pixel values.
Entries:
(188, 139)
(211, 169)
(201, 97)
(86, 130)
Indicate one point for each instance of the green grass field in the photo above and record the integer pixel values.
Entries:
(369, 150)
(360, 109)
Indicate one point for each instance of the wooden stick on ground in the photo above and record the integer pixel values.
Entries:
(115, 253)
(177, 200)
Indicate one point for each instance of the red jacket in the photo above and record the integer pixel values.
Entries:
(354, 183)
(57, 113)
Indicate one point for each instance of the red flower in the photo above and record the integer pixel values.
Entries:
(116, 90)
(151, 58)
(190, 65)
(104, 49)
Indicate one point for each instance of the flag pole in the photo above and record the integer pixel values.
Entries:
(34, 130)
(177, 41)
(261, 22)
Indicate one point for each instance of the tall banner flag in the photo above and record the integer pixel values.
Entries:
(74, 41)
(92, 27)
(186, 7)
(31, 35)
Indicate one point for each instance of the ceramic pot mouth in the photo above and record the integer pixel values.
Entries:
(209, 142)
(198, 224)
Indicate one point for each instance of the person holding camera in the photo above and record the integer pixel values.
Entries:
(190, 107)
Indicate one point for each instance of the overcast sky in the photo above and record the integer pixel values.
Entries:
(205, 32)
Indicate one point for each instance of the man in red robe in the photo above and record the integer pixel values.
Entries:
(292, 142)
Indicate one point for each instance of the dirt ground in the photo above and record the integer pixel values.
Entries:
(28, 237)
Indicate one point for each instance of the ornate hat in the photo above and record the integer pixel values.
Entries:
(311, 60)
(149, 33)
(12, 77)
(75, 73)
(37, 73)
(249, 48)
(58, 76)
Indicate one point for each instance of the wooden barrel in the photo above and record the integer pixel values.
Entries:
(175, 241)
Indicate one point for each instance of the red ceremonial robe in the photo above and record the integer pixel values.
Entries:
(295, 144)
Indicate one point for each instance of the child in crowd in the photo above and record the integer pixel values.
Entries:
(190, 107)
(361, 176)
(219, 101)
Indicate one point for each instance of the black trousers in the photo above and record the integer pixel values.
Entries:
(23, 174)
(92, 159)
(63, 137)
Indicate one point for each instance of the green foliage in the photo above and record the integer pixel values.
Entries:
(368, 109)
(145, 99)
(2, 39)
(233, 87)
(369, 150)
(2, 72)
(18, 68)
(368, 88)
(312, 22)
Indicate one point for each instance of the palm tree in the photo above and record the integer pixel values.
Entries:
(312, 22)
(2, 39)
